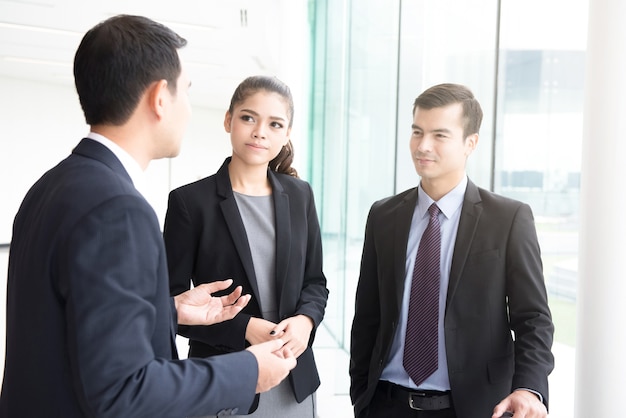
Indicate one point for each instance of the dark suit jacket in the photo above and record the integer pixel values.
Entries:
(206, 241)
(90, 322)
(496, 260)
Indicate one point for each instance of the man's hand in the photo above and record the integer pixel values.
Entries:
(198, 307)
(274, 362)
(295, 332)
(523, 404)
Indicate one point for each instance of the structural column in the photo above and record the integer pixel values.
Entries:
(601, 335)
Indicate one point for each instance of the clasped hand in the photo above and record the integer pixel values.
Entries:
(294, 331)
(197, 306)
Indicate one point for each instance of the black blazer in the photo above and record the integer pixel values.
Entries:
(206, 241)
(496, 286)
(90, 322)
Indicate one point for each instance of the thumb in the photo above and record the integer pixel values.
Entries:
(280, 327)
(499, 410)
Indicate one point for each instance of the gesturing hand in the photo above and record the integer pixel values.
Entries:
(198, 307)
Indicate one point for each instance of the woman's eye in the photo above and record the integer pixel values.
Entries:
(277, 125)
(247, 118)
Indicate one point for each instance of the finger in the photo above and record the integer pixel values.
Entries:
(216, 286)
(283, 353)
(242, 301)
(277, 334)
(274, 345)
(279, 329)
(232, 297)
(288, 355)
(499, 410)
(295, 347)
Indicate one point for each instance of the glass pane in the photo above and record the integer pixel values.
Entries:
(353, 135)
(538, 150)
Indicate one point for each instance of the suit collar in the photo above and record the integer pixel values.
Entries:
(132, 167)
(225, 188)
(96, 151)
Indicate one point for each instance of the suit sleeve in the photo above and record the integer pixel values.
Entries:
(182, 234)
(181, 242)
(366, 320)
(314, 293)
(114, 309)
(530, 316)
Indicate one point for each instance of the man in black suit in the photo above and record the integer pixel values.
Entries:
(90, 323)
(492, 328)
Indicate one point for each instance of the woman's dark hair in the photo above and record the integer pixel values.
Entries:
(117, 60)
(446, 94)
(252, 85)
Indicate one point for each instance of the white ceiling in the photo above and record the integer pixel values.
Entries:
(228, 40)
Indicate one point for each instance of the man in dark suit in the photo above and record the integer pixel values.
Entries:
(493, 331)
(90, 323)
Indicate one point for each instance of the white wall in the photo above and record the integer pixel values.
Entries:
(41, 123)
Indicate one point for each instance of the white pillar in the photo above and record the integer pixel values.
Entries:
(601, 335)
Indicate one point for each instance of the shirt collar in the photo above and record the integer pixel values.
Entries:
(131, 166)
(448, 204)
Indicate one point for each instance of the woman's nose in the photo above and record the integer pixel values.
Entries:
(259, 132)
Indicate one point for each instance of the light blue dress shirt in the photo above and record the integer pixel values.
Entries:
(450, 206)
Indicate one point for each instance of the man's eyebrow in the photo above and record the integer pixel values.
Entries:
(439, 130)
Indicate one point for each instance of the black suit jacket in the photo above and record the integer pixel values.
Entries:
(206, 241)
(90, 322)
(496, 286)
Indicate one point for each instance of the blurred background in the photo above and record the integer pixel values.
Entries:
(354, 68)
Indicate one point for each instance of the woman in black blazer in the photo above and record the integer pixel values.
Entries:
(254, 221)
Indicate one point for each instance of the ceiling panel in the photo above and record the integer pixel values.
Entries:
(227, 40)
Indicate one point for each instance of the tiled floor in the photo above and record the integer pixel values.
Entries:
(333, 400)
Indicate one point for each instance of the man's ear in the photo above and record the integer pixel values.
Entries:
(227, 120)
(157, 95)
(471, 142)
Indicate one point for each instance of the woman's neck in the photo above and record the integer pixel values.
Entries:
(249, 180)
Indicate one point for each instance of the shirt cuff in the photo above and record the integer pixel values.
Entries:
(532, 391)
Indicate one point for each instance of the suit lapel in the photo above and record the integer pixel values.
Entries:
(403, 215)
(470, 215)
(229, 208)
(282, 216)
